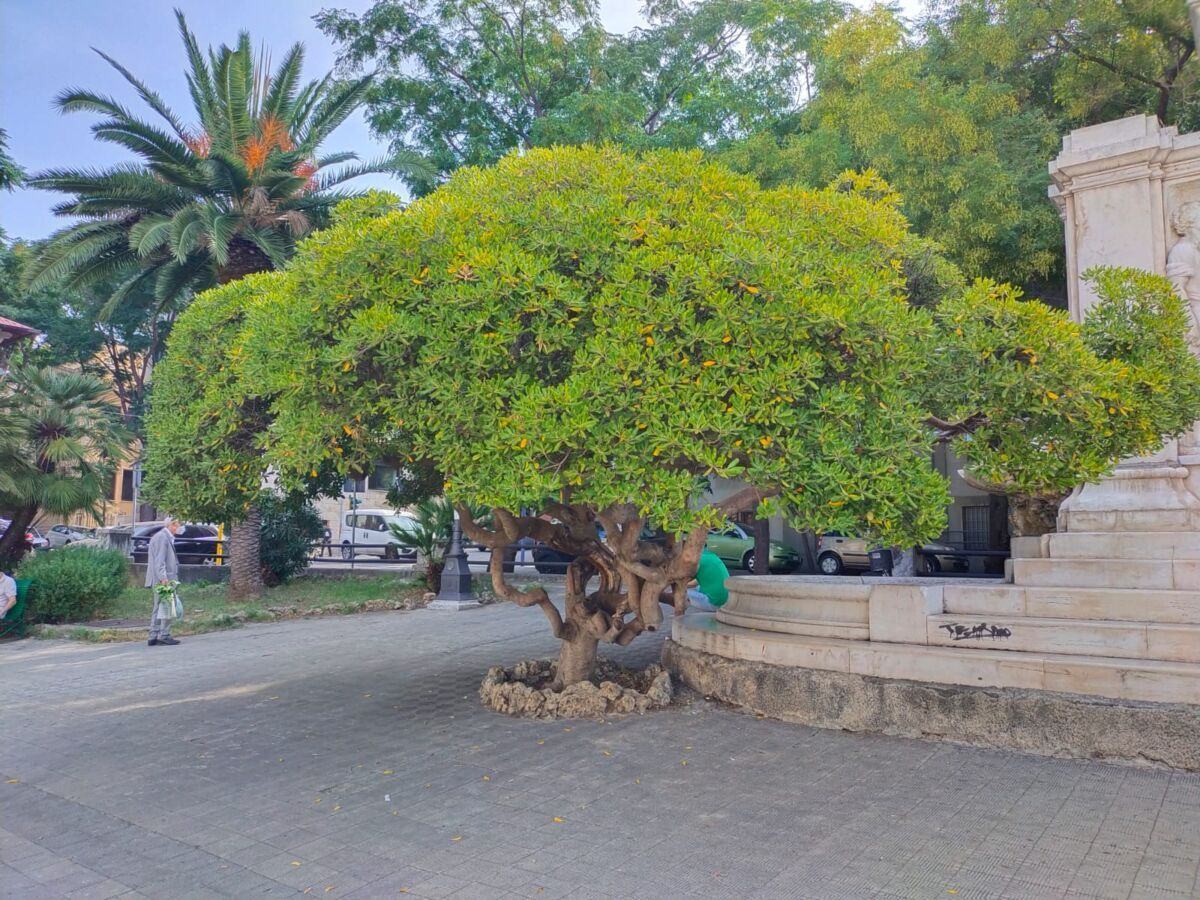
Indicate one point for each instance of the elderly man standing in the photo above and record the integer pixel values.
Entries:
(162, 567)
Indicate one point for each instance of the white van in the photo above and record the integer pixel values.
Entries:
(366, 532)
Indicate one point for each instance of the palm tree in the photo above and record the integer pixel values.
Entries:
(60, 437)
(208, 203)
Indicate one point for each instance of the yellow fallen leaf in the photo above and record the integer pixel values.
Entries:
(542, 741)
(606, 752)
(637, 781)
(487, 777)
(296, 862)
(683, 762)
(388, 772)
(336, 808)
(428, 786)
(456, 838)
(568, 728)
(328, 888)
(558, 820)
(13, 781)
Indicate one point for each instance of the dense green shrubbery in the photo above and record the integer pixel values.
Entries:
(290, 529)
(73, 584)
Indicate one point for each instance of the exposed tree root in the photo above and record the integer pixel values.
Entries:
(528, 689)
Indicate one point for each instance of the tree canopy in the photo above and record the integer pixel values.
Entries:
(594, 334)
(462, 82)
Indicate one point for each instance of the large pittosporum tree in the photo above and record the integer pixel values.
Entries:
(592, 335)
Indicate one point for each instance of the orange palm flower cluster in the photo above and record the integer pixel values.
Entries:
(200, 144)
(272, 135)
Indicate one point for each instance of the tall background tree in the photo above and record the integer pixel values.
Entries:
(465, 81)
(208, 202)
(960, 108)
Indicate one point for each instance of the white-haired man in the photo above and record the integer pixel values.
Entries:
(162, 567)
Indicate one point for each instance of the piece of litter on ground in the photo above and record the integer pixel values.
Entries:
(387, 798)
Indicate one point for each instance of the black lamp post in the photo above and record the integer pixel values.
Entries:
(455, 591)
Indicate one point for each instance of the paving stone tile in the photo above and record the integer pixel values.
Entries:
(764, 809)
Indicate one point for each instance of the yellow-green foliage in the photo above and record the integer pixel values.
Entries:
(587, 324)
(1061, 403)
(585, 321)
(202, 458)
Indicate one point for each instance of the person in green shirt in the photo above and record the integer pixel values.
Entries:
(710, 592)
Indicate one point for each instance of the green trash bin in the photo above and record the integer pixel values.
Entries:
(13, 623)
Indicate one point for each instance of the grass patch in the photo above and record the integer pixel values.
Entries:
(207, 607)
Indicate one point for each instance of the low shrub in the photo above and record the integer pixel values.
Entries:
(74, 583)
(291, 528)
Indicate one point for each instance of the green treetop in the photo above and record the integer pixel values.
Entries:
(593, 335)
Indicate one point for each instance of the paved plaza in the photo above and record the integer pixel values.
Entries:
(350, 757)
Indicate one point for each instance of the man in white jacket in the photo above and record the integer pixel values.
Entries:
(162, 567)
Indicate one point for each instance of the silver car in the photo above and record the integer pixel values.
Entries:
(61, 535)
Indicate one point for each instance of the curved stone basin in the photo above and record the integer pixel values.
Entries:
(837, 606)
(816, 605)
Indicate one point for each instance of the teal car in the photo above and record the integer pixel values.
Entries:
(735, 547)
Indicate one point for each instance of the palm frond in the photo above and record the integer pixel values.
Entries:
(199, 78)
(148, 142)
(406, 164)
(332, 111)
(281, 92)
(186, 230)
(80, 100)
(152, 99)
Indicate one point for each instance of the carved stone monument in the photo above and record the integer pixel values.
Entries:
(1129, 193)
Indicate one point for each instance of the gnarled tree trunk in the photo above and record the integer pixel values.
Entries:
(632, 576)
(245, 565)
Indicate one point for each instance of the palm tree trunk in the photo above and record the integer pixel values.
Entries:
(244, 259)
(12, 543)
(245, 566)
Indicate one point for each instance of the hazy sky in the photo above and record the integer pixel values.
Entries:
(45, 47)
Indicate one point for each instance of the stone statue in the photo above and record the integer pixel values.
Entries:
(1183, 260)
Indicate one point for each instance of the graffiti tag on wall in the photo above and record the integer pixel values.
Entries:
(976, 632)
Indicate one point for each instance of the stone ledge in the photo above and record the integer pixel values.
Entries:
(1032, 721)
(1142, 680)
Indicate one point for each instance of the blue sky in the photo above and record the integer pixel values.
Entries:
(45, 46)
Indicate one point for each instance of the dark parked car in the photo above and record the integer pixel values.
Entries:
(194, 544)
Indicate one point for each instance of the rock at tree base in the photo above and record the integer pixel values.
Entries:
(524, 690)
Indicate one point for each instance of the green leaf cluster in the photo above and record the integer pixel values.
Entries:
(589, 326)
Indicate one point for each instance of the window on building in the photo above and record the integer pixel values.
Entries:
(382, 478)
(354, 485)
(126, 476)
(976, 522)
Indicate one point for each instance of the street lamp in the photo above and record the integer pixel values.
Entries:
(455, 591)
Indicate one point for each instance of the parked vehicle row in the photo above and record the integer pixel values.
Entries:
(194, 544)
(838, 553)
